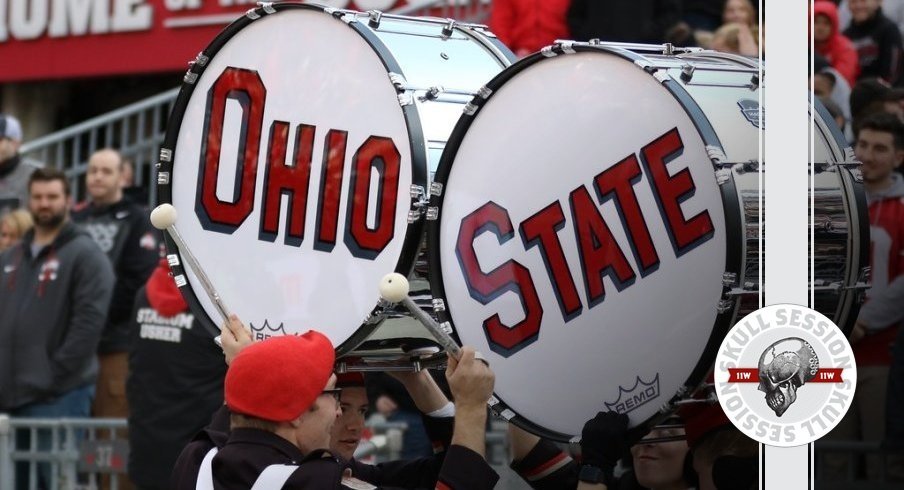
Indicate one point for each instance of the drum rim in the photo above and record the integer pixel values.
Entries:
(416, 141)
(735, 253)
(856, 210)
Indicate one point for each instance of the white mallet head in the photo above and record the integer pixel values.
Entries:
(393, 287)
(163, 216)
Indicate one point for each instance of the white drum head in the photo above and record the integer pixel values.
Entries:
(627, 334)
(278, 89)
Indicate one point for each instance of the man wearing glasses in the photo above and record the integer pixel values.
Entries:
(282, 420)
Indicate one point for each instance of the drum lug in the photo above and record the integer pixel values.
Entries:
(439, 305)
(548, 51)
(470, 109)
(163, 178)
(715, 154)
(199, 60)
(754, 82)
(398, 81)
(190, 77)
(180, 280)
(729, 279)
(432, 213)
(166, 155)
(448, 29)
(668, 49)
(436, 188)
(267, 7)
(723, 176)
(446, 327)
(687, 73)
(405, 99)
(567, 47)
(172, 260)
(252, 14)
(823, 285)
(724, 305)
(374, 17)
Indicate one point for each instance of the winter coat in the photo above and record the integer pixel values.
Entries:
(837, 49)
(53, 308)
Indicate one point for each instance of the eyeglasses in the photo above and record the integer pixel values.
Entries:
(336, 393)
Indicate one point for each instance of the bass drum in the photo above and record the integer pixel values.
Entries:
(597, 228)
(298, 154)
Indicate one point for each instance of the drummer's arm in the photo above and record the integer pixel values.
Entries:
(540, 462)
(423, 390)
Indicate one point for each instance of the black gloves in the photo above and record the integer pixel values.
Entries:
(603, 440)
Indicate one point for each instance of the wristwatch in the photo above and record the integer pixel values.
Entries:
(594, 474)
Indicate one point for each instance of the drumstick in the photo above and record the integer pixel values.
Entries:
(394, 288)
(163, 217)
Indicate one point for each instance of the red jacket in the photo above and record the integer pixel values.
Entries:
(838, 49)
(526, 26)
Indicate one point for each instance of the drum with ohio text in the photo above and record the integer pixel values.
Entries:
(298, 150)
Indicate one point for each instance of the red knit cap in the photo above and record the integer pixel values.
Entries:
(279, 378)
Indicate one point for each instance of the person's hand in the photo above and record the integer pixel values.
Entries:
(385, 406)
(235, 337)
(858, 332)
(470, 379)
(603, 440)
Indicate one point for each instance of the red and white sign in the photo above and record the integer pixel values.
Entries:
(53, 39)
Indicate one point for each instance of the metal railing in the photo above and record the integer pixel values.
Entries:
(137, 130)
(65, 453)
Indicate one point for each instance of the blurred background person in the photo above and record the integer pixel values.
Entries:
(14, 170)
(633, 21)
(877, 40)
(525, 26)
(831, 44)
(13, 226)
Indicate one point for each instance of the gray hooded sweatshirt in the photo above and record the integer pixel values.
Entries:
(886, 301)
(52, 310)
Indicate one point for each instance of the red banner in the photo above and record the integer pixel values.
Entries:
(752, 375)
(53, 39)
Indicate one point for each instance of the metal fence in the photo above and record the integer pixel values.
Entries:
(61, 454)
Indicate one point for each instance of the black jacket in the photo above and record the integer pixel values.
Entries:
(175, 382)
(878, 44)
(124, 232)
(644, 21)
(249, 451)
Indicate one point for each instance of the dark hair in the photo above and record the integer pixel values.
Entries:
(884, 123)
(49, 174)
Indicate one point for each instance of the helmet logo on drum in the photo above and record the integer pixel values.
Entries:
(636, 396)
(265, 331)
(752, 111)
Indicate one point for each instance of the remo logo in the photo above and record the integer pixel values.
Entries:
(785, 375)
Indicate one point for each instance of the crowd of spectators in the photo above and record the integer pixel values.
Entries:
(724, 25)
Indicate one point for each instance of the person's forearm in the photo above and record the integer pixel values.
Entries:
(470, 428)
(425, 392)
(521, 442)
